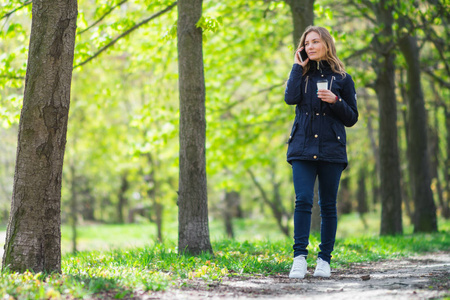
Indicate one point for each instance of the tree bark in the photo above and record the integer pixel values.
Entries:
(302, 12)
(193, 228)
(425, 219)
(391, 212)
(33, 238)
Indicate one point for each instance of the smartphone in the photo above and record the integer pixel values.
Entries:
(302, 55)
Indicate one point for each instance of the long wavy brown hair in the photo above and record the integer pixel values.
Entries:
(330, 49)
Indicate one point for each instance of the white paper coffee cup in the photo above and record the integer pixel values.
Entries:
(322, 84)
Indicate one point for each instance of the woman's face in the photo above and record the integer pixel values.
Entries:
(314, 46)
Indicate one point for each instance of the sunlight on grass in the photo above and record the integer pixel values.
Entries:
(124, 259)
(120, 273)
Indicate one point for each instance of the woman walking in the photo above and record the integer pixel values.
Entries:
(325, 99)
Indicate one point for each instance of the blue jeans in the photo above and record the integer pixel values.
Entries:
(329, 175)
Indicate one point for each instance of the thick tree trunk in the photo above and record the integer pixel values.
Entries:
(425, 210)
(391, 212)
(302, 12)
(193, 228)
(33, 238)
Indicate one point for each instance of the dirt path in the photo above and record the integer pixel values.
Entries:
(420, 277)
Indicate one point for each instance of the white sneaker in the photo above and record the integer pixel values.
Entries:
(322, 269)
(298, 269)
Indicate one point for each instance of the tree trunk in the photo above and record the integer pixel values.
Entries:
(345, 205)
(405, 175)
(434, 161)
(437, 158)
(33, 238)
(361, 195)
(230, 210)
(384, 65)
(376, 153)
(122, 198)
(315, 211)
(425, 219)
(447, 161)
(302, 12)
(193, 228)
(152, 192)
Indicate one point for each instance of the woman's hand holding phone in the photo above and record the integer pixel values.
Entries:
(301, 57)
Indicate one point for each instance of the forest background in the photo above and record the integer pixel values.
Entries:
(121, 159)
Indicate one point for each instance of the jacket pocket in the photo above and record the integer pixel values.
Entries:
(296, 143)
(294, 128)
(339, 133)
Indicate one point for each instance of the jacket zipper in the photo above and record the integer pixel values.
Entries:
(306, 85)
(331, 84)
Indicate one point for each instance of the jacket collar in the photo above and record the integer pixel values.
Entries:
(322, 66)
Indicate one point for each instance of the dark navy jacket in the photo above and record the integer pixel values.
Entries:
(318, 133)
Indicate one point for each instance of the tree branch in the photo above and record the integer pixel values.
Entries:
(358, 53)
(102, 17)
(438, 43)
(12, 77)
(110, 44)
(437, 78)
(277, 213)
(368, 5)
(16, 9)
(239, 101)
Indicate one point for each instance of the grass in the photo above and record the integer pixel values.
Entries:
(108, 236)
(123, 272)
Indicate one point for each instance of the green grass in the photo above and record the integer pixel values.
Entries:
(118, 273)
(134, 265)
(108, 236)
